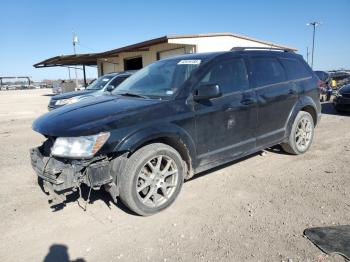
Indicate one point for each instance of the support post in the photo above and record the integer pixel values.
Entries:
(85, 84)
(313, 46)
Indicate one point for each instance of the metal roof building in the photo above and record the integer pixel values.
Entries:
(138, 55)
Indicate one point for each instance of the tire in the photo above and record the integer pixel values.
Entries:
(301, 135)
(146, 187)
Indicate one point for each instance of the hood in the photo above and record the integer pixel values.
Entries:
(91, 116)
(72, 94)
(345, 89)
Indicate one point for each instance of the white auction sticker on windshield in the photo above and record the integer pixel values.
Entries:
(190, 62)
(105, 79)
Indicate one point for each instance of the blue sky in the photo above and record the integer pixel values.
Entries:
(31, 31)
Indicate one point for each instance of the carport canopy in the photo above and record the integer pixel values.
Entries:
(91, 59)
(69, 60)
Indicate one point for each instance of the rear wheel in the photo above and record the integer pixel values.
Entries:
(301, 135)
(152, 179)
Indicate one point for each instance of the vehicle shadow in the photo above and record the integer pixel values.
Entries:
(83, 199)
(48, 94)
(277, 149)
(214, 169)
(328, 108)
(59, 253)
(96, 195)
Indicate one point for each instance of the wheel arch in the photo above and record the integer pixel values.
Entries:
(312, 111)
(172, 136)
(306, 104)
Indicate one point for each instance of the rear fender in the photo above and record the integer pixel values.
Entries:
(302, 102)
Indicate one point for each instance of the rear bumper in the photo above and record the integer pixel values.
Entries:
(63, 177)
(342, 103)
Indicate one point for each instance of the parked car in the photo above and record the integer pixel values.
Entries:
(341, 101)
(175, 118)
(340, 78)
(105, 83)
(326, 88)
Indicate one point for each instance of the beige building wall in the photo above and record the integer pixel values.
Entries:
(217, 43)
(116, 64)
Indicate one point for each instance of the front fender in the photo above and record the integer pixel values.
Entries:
(133, 141)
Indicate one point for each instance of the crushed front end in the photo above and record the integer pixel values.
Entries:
(62, 176)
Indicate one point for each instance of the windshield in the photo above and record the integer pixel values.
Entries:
(99, 83)
(160, 79)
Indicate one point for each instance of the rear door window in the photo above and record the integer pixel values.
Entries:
(231, 75)
(267, 71)
(294, 68)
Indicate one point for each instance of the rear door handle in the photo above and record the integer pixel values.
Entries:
(247, 102)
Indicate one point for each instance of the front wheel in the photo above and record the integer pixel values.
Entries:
(301, 135)
(152, 179)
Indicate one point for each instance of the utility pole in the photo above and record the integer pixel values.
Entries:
(314, 24)
(75, 41)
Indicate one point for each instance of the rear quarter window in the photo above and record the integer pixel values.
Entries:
(295, 69)
(267, 71)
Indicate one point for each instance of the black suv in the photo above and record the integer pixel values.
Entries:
(175, 118)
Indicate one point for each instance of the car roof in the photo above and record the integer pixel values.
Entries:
(211, 55)
(195, 56)
(122, 73)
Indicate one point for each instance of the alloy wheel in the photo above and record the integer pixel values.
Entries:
(303, 134)
(157, 181)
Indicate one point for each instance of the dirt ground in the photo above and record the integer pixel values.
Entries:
(252, 210)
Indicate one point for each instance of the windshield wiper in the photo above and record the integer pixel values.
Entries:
(132, 94)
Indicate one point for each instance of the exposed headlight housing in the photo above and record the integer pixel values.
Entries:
(61, 102)
(79, 147)
(67, 101)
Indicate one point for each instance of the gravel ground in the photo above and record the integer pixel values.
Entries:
(252, 210)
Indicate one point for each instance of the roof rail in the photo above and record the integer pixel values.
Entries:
(244, 48)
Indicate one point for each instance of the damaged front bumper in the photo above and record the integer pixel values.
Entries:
(61, 177)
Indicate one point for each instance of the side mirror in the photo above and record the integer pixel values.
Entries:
(207, 91)
(110, 88)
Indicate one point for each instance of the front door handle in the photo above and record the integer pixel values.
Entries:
(292, 91)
